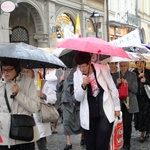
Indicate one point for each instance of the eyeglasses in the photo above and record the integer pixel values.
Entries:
(7, 70)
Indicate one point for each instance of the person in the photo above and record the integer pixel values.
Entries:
(142, 118)
(71, 122)
(94, 57)
(47, 94)
(113, 67)
(94, 88)
(24, 101)
(60, 78)
(129, 106)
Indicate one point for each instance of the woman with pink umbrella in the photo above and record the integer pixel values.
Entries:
(99, 101)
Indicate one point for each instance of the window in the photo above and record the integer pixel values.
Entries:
(19, 34)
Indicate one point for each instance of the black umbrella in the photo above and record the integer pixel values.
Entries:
(68, 57)
(30, 56)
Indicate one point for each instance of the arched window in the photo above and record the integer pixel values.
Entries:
(19, 34)
(62, 22)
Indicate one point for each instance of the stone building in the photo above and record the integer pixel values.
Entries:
(42, 22)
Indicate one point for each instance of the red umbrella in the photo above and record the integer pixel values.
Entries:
(92, 45)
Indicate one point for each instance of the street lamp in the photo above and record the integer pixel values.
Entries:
(96, 19)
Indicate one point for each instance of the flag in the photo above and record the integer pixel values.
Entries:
(78, 26)
(39, 83)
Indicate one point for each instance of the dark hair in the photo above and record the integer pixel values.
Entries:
(12, 62)
(82, 58)
(141, 61)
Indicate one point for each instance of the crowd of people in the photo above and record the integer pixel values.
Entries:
(86, 97)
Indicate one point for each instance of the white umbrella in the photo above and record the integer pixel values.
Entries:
(133, 57)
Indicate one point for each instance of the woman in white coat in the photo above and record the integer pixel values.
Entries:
(48, 94)
(99, 101)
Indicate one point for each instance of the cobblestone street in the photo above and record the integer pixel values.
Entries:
(58, 141)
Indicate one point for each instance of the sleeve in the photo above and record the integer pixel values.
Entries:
(79, 92)
(112, 88)
(133, 84)
(27, 97)
(147, 76)
(50, 93)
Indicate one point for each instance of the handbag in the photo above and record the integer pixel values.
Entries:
(116, 140)
(123, 90)
(21, 125)
(48, 113)
(147, 90)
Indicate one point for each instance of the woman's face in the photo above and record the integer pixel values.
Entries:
(28, 72)
(140, 65)
(9, 72)
(112, 66)
(124, 67)
(84, 68)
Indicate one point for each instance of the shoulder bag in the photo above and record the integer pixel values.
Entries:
(21, 125)
(48, 113)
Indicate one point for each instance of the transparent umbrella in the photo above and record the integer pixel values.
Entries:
(30, 56)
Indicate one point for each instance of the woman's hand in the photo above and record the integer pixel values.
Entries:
(40, 94)
(143, 79)
(117, 113)
(15, 89)
(118, 81)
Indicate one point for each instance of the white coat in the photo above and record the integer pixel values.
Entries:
(49, 89)
(111, 102)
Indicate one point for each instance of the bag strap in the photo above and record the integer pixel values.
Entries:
(7, 103)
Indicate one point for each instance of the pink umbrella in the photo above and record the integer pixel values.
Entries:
(92, 45)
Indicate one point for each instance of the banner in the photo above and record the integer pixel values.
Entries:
(130, 39)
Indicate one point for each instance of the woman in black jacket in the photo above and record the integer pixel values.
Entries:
(142, 119)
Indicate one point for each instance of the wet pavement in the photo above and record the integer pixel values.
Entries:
(58, 141)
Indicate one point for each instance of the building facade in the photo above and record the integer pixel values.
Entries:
(127, 15)
(42, 22)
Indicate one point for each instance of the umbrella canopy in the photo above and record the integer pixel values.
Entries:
(133, 57)
(92, 45)
(146, 45)
(30, 56)
(68, 56)
(137, 49)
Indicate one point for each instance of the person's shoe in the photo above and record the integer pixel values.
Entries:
(67, 147)
(54, 132)
(126, 147)
(141, 139)
(82, 142)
